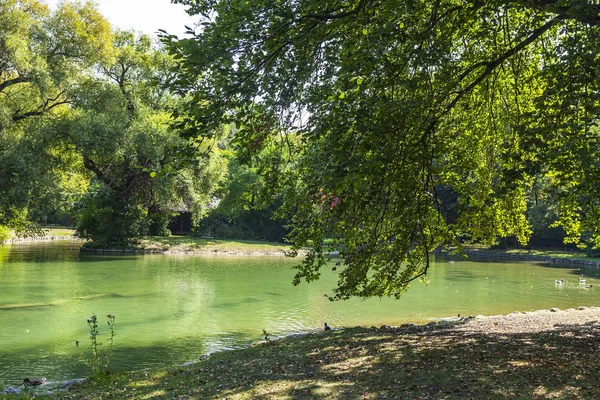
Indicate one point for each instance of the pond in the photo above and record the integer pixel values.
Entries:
(174, 308)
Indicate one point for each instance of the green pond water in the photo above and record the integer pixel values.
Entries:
(173, 309)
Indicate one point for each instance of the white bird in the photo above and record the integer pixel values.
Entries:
(560, 282)
(581, 280)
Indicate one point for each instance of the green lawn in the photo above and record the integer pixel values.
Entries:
(572, 254)
(209, 245)
(58, 231)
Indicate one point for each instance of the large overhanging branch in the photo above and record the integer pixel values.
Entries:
(48, 105)
(579, 10)
(13, 81)
(492, 65)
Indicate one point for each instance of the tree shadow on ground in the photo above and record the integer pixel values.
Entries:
(425, 362)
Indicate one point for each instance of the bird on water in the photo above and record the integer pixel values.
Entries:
(33, 382)
(327, 327)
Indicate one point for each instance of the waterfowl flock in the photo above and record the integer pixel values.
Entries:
(582, 283)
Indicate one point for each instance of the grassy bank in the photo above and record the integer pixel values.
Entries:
(553, 253)
(190, 244)
(58, 231)
(472, 359)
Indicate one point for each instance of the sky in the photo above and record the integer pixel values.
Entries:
(144, 15)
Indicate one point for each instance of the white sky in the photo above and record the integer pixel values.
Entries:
(144, 15)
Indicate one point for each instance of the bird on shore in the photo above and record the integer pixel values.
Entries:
(560, 281)
(582, 281)
(33, 382)
(327, 327)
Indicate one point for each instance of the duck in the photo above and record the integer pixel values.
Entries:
(582, 281)
(327, 327)
(560, 281)
(33, 382)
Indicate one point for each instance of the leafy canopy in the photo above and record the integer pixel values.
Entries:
(397, 101)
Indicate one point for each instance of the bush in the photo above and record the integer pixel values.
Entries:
(110, 222)
(251, 225)
(158, 224)
(4, 233)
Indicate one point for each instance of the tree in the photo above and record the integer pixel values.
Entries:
(43, 53)
(250, 192)
(43, 56)
(394, 100)
(119, 126)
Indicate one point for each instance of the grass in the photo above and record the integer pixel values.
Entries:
(360, 363)
(571, 254)
(58, 231)
(209, 245)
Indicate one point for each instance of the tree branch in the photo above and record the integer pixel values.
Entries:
(41, 110)
(578, 10)
(13, 81)
(336, 14)
(492, 65)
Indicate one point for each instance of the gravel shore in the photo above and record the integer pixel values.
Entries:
(537, 321)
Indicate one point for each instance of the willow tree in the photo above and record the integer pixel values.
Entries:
(44, 54)
(397, 101)
(118, 126)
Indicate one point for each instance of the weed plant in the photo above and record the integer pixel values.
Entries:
(100, 363)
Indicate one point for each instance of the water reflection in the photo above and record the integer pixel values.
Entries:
(172, 309)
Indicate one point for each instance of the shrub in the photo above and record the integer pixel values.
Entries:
(109, 221)
(4, 233)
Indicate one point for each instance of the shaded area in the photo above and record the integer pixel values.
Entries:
(428, 362)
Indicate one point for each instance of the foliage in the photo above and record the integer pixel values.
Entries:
(118, 126)
(393, 100)
(251, 225)
(4, 233)
(109, 220)
(42, 53)
(43, 57)
(248, 198)
(83, 107)
(158, 223)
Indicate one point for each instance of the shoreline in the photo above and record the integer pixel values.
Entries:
(43, 239)
(471, 345)
(186, 252)
(505, 255)
(183, 250)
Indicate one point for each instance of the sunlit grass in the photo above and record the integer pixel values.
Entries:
(571, 254)
(185, 244)
(58, 231)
